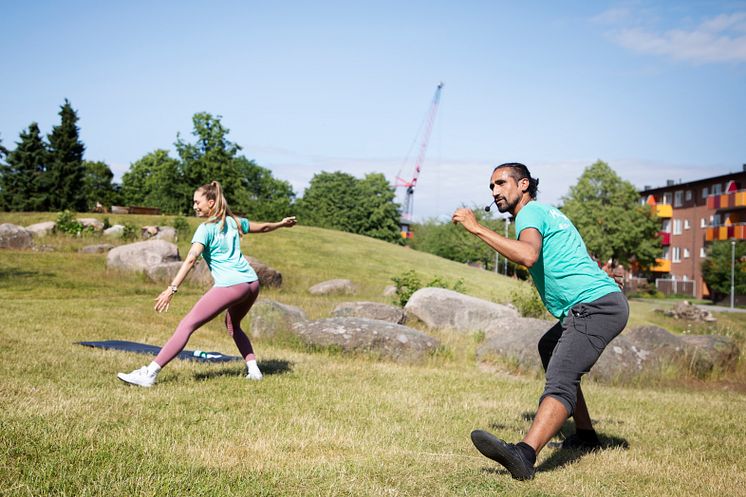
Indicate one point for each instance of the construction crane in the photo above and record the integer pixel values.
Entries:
(409, 185)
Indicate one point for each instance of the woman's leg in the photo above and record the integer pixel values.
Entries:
(233, 317)
(212, 303)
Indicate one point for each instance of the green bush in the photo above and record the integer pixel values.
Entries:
(528, 302)
(66, 223)
(408, 283)
(181, 225)
(130, 232)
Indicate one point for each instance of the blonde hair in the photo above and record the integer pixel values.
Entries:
(213, 191)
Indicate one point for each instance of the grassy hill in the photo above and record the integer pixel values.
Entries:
(320, 423)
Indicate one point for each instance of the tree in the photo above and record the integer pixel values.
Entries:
(449, 241)
(211, 157)
(614, 225)
(156, 180)
(716, 269)
(340, 201)
(21, 183)
(261, 196)
(98, 184)
(66, 171)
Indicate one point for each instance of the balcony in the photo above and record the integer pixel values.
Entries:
(661, 266)
(665, 238)
(664, 211)
(735, 231)
(731, 200)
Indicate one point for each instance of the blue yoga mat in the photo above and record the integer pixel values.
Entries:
(144, 348)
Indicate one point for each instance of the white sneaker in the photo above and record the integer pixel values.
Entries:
(140, 377)
(254, 372)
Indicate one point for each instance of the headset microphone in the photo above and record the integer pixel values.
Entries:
(487, 207)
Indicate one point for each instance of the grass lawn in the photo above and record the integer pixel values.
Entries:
(320, 423)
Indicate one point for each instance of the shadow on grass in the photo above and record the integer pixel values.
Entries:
(268, 367)
(561, 457)
(6, 274)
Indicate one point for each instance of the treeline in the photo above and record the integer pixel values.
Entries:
(50, 174)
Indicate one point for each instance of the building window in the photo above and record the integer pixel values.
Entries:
(677, 197)
(705, 192)
(666, 198)
(703, 223)
(666, 253)
(716, 189)
(716, 219)
(675, 254)
(688, 195)
(666, 226)
(677, 226)
(686, 224)
(686, 253)
(702, 253)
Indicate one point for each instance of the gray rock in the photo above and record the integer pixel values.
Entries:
(370, 310)
(13, 236)
(42, 229)
(389, 290)
(166, 271)
(707, 353)
(270, 318)
(115, 231)
(96, 249)
(141, 255)
(515, 340)
(332, 287)
(92, 222)
(385, 340)
(167, 233)
(439, 308)
(268, 276)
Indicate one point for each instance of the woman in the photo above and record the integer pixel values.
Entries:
(236, 288)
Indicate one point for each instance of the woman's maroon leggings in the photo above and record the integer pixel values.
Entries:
(236, 300)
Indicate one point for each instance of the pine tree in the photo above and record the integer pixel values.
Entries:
(22, 178)
(65, 176)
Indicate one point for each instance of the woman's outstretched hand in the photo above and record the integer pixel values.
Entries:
(288, 222)
(163, 300)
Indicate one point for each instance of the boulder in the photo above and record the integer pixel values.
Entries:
(147, 232)
(389, 291)
(96, 249)
(690, 312)
(370, 310)
(167, 233)
(332, 287)
(42, 229)
(270, 318)
(166, 271)
(515, 340)
(268, 276)
(13, 236)
(707, 353)
(141, 255)
(115, 231)
(385, 340)
(92, 222)
(440, 308)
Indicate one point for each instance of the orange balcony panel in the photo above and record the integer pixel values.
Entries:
(710, 234)
(664, 211)
(724, 201)
(722, 233)
(661, 266)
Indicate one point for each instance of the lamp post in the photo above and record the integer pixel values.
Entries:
(732, 273)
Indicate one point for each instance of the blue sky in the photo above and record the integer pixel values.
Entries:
(656, 89)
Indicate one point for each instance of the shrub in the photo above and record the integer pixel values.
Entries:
(181, 225)
(528, 302)
(409, 282)
(66, 223)
(130, 232)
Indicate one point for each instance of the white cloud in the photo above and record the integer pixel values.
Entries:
(718, 39)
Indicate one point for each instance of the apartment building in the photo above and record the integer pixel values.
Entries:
(692, 215)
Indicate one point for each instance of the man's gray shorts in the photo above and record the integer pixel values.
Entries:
(572, 346)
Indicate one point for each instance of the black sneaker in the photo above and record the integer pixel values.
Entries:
(509, 455)
(574, 442)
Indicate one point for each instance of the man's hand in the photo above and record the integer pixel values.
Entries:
(466, 218)
(616, 274)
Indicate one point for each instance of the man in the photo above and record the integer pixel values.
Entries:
(589, 305)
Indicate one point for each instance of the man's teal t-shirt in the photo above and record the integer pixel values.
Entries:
(223, 252)
(564, 274)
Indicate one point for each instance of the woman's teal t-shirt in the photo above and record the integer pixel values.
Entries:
(223, 252)
(564, 274)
